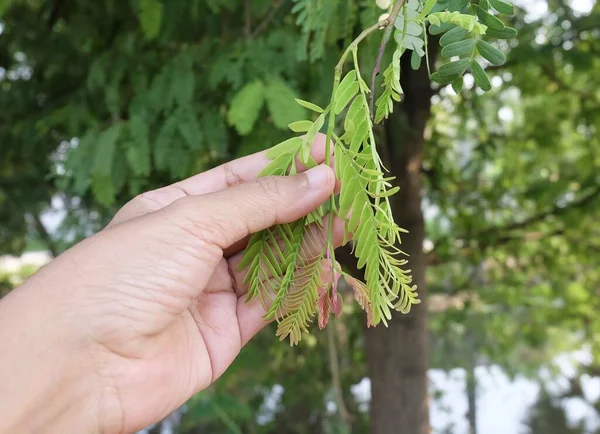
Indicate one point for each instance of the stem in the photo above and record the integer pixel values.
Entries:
(329, 247)
(387, 24)
(386, 38)
(380, 25)
(376, 159)
(247, 19)
(268, 18)
(334, 367)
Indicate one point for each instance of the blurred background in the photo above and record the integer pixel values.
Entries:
(102, 100)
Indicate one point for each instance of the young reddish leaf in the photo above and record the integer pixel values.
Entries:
(337, 304)
(324, 308)
(361, 295)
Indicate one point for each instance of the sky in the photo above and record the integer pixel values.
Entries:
(502, 403)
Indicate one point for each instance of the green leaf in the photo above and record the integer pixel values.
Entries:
(361, 133)
(460, 48)
(277, 167)
(290, 146)
(429, 5)
(481, 78)
(458, 5)
(444, 79)
(415, 60)
(503, 7)
(439, 29)
(491, 53)
(138, 149)
(281, 104)
(307, 141)
(104, 189)
(189, 128)
(300, 126)
(183, 79)
(344, 98)
(454, 35)
(164, 143)
(453, 68)
(151, 15)
(488, 19)
(506, 33)
(245, 107)
(105, 154)
(348, 80)
(458, 84)
(310, 106)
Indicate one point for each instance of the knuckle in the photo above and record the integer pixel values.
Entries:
(154, 200)
(196, 223)
(270, 186)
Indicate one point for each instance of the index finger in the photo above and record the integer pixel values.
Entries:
(240, 171)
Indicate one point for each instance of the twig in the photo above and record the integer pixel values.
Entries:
(44, 235)
(386, 38)
(499, 235)
(334, 366)
(388, 24)
(268, 18)
(247, 18)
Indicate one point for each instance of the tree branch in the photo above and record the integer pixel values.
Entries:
(386, 38)
(268, 18)
(499, 235)
(387, 24)
(44, 235)
(247, 18)
(334, 366)
(555, 211)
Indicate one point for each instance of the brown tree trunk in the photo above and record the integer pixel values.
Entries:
(398, 356)
(472, 399)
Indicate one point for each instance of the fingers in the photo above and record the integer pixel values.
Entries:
(231, 174)
(226, 217)
(250, 319)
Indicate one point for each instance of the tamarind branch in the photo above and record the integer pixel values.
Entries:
(386, 38)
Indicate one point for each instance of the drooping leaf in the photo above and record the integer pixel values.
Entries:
(151, 16)
(280, 102)
(491, 53)
(245, 107)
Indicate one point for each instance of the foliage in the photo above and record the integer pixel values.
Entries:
(280, 271)
(513, 196)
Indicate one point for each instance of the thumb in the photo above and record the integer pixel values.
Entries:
(226, 217)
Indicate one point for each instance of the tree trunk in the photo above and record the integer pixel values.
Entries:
(398, 356)
(472, 398)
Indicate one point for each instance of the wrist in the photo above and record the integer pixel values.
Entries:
(47, 378)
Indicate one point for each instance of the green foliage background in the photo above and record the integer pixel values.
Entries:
(102, 100)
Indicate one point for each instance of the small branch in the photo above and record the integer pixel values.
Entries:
(379, 26)
(500, 235)
(555, 211)
(247, 18)
(268, 18)
(334, 366)
(386, 38)
(44, 235)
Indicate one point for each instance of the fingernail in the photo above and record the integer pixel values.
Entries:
(319, 177)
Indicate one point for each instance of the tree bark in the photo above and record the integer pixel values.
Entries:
(472, 398)
(398, 356)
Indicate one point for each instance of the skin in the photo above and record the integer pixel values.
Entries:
(126, 326)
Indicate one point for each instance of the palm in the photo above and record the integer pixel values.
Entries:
(189, 354)
(185, 335)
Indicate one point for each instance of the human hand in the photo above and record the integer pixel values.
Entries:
(126, 326)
